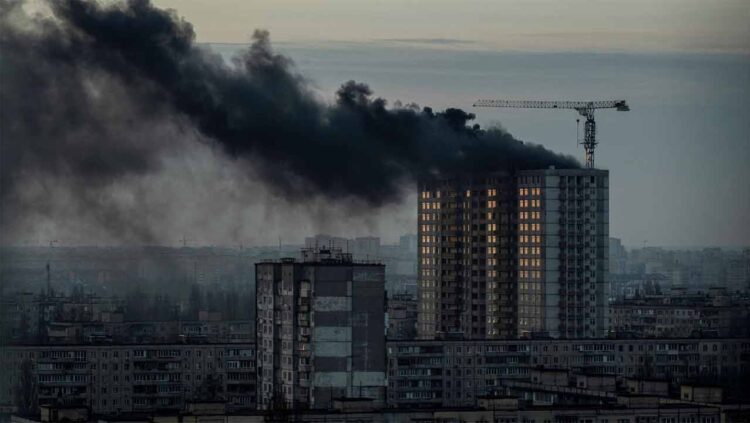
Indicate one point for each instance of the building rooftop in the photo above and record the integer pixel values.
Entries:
(323, 256)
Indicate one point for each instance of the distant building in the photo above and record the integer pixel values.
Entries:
(408, 243)
(628, 286)
(366, 248)
(679, 314)
(328, 241)
(320, 330)
(738, 272)
(618, 257)
(361, 248)
(29, 319)
(693, 269)
(402, 317)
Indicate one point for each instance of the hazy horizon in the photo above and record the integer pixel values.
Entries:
(538, 25)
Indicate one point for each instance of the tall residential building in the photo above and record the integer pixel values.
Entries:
(514, 255)
(563, 253)
(467, 249)
(320, 330)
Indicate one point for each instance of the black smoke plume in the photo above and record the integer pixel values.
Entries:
(98, 93)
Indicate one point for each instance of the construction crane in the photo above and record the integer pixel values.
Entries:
(585, 108)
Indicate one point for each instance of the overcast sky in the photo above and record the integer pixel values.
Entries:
(635, 25)
(678, 160)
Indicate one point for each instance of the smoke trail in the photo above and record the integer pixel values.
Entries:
(98, 94)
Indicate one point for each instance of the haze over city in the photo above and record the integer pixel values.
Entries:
(374, 211)
(679, 152)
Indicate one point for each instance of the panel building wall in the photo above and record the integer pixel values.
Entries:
(459, 372)
(133, 378)
(563, 253)
(321, 330)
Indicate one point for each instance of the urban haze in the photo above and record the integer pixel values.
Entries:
(374, 211)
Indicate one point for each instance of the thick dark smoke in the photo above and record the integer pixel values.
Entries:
(99, 94)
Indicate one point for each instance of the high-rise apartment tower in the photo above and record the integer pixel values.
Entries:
(508, 255)
(467, 258)
(563, 253)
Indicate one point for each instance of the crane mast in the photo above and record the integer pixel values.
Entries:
(584, 108)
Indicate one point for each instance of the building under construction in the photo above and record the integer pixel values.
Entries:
(522, 254)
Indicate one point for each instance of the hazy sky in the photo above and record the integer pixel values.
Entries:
(636, 25)
(678, 160)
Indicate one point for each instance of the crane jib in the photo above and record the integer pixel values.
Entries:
(541, 104)
(585, 108)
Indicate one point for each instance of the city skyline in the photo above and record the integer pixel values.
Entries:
(329, 210)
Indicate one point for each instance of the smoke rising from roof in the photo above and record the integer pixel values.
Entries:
(98, 100)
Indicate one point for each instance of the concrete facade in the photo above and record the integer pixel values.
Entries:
(563, 253)
(133, 378)
(682, 316)
(402, 316)
(452, 373)
(320, 330)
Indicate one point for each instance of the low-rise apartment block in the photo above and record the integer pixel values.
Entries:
(457, 373)
(679, 315)
(131, 378)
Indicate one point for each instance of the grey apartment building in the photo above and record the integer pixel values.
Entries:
(113, 379)
(508, 255)
(449, 373)
(320, 330)
(563, 253)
